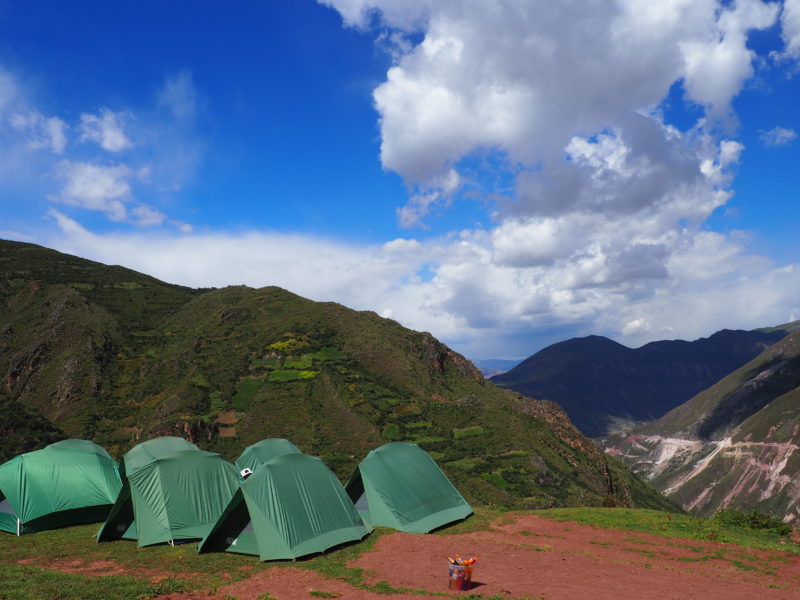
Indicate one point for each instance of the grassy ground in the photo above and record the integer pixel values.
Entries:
(674, 526)
(31, 566)
(758, 551)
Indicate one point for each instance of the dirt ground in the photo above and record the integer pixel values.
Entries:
(541, 558)
(532, 557)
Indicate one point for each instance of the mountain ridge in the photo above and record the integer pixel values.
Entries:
(601, 383)
(115, 356)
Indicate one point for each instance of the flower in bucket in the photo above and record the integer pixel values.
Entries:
(460, 572)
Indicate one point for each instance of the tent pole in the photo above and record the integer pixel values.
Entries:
(17, 527)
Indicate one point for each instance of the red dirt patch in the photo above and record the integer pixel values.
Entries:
(103, 568)
(94, 568)
(291, 583)
(532, 557)
(227, 432)
(90, 568)
(227, 418)
(520, 556)
(536, 557)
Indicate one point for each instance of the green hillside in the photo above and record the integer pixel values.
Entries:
(118, 357)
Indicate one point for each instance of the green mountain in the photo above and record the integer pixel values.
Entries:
(112, 355)
(735, 445)
(605, 387)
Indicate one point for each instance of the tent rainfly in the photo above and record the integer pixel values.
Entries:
(290, 507)
(176, 496)
(66, 483)
(398, 485)
(264, 451)
(148, 451)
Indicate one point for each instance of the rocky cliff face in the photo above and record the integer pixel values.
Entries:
(735, 445)
(55, 345)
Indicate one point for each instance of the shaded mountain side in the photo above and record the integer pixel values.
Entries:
(22, 430)
(225, 368)
(733, 445)
(605, 386)
(57, 328)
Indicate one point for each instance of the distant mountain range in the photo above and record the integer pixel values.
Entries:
(490, 367)
(605, 387)
(106, 353)
(734, 445)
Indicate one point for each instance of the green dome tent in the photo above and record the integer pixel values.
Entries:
(264, 451)
(148, 451)
(398, 485)
(177, 496)
(291, 507)
(66, 483)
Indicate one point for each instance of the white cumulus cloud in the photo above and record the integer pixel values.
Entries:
(47, 133)
(37, 160)
(790, 29)
(778, 136)
(99, 187)
(469, 292)
(604, 226)
(603, 229)
(526, 77)
(105, 129)
(147, 216)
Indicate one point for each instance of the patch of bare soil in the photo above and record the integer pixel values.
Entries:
(291, 583)
(227, 418)
(525, 556)
(532, 557)
(540, 558)
(92, 568)
(102, 568)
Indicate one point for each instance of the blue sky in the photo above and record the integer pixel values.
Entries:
(504, 175)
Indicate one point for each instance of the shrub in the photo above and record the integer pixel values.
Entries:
(465, 464)
(459, 434)
(284, 375)
(303, 362)
(496, 480)
(404, 410)
(392, 432)
(751, 520)
(247, 390)
(217, 402)
(429, 439)
(329, 354)
(272, 362)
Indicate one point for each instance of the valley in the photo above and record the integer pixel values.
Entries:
(734, 445)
